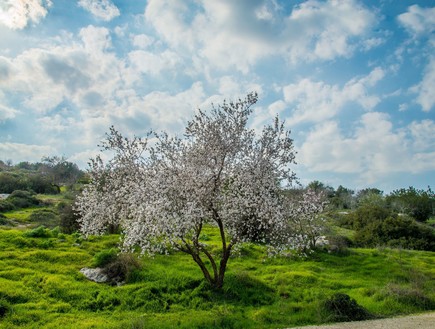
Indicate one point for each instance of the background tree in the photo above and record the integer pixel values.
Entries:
(59, 171)
(306, 223)
(342, 198)
(417, 203)
(220, 174)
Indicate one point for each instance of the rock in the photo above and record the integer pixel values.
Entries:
(94, 274)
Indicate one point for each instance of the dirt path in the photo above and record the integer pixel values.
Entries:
(422, 321)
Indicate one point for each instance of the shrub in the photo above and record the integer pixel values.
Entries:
(68, 218)
(43, 215)
(6, 205)
(5, 308)
(23, 199)
(10, 182)
(341, 307)
(363, 216)
(39, 232)
(411, 296)
(104, 257)
(122, 267)
(117, 266)
(397, 231)
(338, 244)
(3, 220)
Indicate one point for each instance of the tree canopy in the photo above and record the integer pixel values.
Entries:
(220, 173)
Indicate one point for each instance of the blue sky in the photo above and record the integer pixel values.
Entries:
(354, 80)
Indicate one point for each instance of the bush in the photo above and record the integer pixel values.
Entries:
(10, 182)
(363, 216)
(117, 266)
(4, 220)
(104, 257)
(341, 308)
(5, 308)
(39, 232)
(68, 218)
(23, 199)
(397, 231)
(43, 216)
(122, 267)
(411, 296)
(6, 205)
(338, 244)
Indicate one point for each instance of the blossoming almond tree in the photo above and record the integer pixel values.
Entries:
(221, 173)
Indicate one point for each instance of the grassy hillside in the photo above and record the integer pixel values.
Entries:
(41, 286)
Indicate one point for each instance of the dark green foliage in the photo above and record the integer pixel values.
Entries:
(5, 308)
(23, 180)
(122, 268)
(398, 232)
(68, 218)
(104, 257)
(338, 244)
(39, 232)
(341, 308)
(119, 267)
(10, 182)
(364, 216)
(23, 199)
(6, 205)
(43, 216)
(342, 198)
(3, 220)
(418, 204)
(39, 184)
(58, 171)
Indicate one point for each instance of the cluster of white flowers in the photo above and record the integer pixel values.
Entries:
(220, 173)
(307, 226)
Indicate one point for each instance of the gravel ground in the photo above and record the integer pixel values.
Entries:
(422, 321)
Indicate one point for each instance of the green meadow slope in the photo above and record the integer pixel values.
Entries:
(41, 286)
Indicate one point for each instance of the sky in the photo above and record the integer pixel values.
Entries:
(354, 80)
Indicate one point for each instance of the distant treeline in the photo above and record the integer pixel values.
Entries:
(45, 177)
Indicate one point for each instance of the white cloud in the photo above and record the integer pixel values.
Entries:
(236, 34)
(25, 152)
(373, 150)
(142, 41)
(171, 112)
(317, 101)
(16, 14)
(423, 135)
(151, 63)
(418, 20)
(103, 9)
(425, 89)
(6, 113)
(95, 39)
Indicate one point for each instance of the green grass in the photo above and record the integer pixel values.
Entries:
(41, 286)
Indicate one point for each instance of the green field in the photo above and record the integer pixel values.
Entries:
(41, 286)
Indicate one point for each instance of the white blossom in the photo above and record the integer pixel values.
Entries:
(220, 173)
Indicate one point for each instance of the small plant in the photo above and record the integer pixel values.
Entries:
(104, 257)
(117, 266)
(341, 307)
(43, 216)
(338, 244)
(121, 268)
(5, 308)
(39, 232)
(3, 220)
